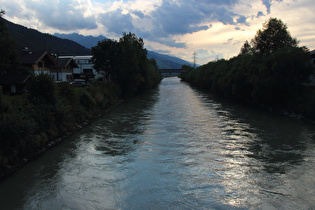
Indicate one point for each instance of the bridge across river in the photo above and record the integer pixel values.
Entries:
(171, 72)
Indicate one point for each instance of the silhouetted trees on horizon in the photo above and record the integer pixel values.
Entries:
(270, 70)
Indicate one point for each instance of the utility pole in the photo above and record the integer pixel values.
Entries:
(57, 66)
(195, 57)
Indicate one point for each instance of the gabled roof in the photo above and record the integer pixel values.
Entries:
(13, 79)
(33, 57)
(64, 62)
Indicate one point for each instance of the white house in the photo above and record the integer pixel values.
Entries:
(64, 69)
(85, 68)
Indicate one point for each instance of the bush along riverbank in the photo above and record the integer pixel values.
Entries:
(34, 121)
(271, 72)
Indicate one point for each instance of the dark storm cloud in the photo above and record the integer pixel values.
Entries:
(117, 22)
(62, 15)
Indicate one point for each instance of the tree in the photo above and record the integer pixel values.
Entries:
(126, 63)
(8, 56)
(106, 56)
(274, 36)
(246, 49)
(134, 59)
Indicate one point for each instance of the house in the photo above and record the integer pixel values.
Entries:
(85, 68)
(14, 83)
(38, 62)
(64, 69)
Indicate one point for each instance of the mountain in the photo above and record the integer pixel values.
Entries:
(86, 41)
(74, 44)
(163, 61)
(37, 41)
(167, 61)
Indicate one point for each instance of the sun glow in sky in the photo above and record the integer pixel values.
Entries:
(212, 28)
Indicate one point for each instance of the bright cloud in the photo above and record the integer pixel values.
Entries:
(212, 28)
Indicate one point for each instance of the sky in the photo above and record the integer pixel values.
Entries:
(213, 29)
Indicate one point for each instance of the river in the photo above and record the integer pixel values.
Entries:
(173, 148)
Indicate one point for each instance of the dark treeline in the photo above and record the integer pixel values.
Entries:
(272, 71)
(31, 122)
(125, 62)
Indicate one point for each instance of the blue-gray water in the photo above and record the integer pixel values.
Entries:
(173, 148)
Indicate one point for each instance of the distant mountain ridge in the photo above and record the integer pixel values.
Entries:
(163, 61)
(86, 41)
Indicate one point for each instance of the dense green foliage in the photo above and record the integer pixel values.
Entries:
(31, 121)
(274, 36)
(126, 63)
(267, 73)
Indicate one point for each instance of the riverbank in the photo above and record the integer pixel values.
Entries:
(276, 82)
(32, 123)
(13, 167)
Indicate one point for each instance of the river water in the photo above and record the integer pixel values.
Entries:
(173, 148)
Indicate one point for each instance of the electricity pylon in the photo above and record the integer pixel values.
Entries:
(195, 57)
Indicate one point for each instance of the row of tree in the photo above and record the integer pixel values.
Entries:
(270, 71)
(125, 62)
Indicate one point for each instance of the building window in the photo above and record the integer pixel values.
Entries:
(87, 71)
(40, 64)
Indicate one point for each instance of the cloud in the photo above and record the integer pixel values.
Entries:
(139, 14)
(176, 18)
(117, 22)
(63, 14)
(232, 41)
(259, 14)
(173, 18)
(242, 20)
(267, 3)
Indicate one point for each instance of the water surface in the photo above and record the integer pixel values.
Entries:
(173, 148)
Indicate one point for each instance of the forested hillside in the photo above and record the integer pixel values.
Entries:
(36, 41)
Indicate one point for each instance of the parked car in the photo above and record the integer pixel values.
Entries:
(78, 83)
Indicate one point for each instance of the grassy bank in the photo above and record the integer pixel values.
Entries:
(32, 122)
